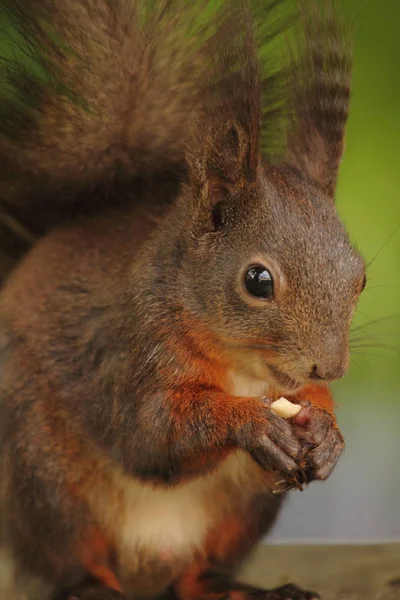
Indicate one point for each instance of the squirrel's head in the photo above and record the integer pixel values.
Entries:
(268, 269)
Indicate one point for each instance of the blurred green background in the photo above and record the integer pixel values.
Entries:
(360, 501)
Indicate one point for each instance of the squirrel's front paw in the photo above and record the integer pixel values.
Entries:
(322, 441)
(273, 444)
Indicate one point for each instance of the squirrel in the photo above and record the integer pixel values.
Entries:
(173, 262)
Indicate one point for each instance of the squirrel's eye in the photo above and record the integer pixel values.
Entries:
(258, 282)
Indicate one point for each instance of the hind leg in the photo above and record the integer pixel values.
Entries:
(47, 530)
(221, 588)
(219, 584)
(213, 577)
(92, 591)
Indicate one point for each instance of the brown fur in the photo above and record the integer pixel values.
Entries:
(139, 452)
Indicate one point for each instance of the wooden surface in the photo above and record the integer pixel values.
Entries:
(335, 572)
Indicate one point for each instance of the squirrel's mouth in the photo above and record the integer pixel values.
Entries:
(284, 380)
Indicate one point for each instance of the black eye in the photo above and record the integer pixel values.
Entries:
(258, 282)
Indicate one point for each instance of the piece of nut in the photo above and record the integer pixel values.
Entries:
(285, 409)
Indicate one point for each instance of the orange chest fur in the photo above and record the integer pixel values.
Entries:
(319, 395)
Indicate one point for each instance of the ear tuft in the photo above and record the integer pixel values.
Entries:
(321, 82)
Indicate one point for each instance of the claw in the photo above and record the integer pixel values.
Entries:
(300, 481)
(282, 489)
(302, 476)
(297, 482)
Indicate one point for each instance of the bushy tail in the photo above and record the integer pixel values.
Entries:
(97, 86)
(91, 92)
(98, 94)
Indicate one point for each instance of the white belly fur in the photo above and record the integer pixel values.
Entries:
(174, 521)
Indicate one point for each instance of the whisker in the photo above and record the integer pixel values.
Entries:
(373, 345)
(376, 287)
(376, 355)
(373, 336)
(369, 263)
(372, 277)
(375, 323)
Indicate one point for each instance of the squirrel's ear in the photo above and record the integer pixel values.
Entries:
(220, 160)
(321, 81)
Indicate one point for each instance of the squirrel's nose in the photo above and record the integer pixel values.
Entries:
(330, 372)
(314, 373)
